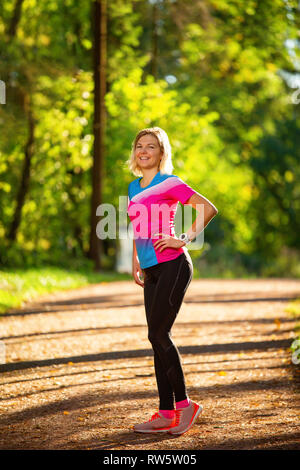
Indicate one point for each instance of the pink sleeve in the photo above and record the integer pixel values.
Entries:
(180, 191)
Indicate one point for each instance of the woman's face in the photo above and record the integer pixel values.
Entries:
(147, 152)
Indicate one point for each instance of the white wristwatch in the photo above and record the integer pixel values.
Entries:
(185, 238)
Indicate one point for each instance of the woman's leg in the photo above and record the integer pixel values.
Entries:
(165, 390)
(165, 287)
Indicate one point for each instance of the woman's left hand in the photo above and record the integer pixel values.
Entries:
(167, 242)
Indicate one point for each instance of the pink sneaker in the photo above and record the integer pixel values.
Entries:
(185, 418)
(157, 423)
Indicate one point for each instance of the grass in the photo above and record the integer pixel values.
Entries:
(19, 286)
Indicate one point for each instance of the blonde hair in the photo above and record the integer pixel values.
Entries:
(166, 166)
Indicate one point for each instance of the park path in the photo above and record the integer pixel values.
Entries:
(79, 368)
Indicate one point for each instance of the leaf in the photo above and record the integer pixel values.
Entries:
(222, 372)
(66, 412)
(277, 323)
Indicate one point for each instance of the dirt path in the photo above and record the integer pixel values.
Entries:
(79, 369)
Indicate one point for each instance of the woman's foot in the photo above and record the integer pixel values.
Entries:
(185, 418)
(157, 423)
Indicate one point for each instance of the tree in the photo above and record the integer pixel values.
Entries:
(99, 49)
(29, 145)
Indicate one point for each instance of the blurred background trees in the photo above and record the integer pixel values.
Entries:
(217, 75)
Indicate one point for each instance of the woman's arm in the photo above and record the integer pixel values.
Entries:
(136, 268)
(200, 203)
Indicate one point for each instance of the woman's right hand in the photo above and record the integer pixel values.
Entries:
(137, 273)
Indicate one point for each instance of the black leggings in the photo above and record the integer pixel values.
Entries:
(165, 285)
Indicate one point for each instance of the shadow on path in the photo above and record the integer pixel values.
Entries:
(200, 324)
(104, 356)
(112, 301)
(87, 400)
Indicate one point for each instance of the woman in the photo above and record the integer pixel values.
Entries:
(161, 259)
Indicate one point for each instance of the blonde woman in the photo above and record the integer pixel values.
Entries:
(162, 266)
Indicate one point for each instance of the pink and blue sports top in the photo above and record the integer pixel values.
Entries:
(152, 210)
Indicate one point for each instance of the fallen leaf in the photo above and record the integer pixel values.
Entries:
(222, 372)
(66, 412)
(277, 322)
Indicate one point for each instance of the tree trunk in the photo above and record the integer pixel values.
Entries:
(99, 50)
(154, 52)
(12, 26)
(25, 179)
(28, 151)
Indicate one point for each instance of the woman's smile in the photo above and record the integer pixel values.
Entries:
(150, 145)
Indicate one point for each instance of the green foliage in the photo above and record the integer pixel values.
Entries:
(19, 286)
(209, 73)
(56, 213)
